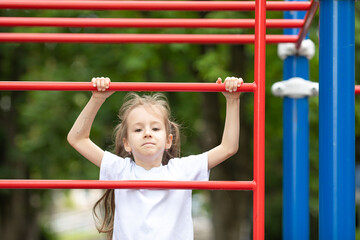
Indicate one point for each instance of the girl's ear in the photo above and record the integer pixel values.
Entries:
(169, 141)
(126, 145)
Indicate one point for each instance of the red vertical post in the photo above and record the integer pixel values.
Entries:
(259, 121)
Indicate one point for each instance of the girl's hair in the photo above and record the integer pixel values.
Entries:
(107, 202)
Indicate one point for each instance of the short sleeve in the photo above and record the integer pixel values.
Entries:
(191, 168)
(112, 166)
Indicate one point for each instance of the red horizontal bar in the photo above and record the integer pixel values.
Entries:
(284, 23)
(120, 86)
(97, 184)
(144, 23)
(274, 38)
(141, 38)
(357, 89)
(153, 5)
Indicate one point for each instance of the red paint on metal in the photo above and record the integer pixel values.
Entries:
(144, 23)
(120, 86)
(141, 38)
(259, 121)
(97, 184)
(153, 5)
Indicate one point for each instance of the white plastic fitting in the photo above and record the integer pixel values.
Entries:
(307, 49)
(295, 88)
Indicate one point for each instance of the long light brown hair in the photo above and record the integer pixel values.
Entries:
(106, 203)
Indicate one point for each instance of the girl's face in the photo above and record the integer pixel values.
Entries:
(147, 138)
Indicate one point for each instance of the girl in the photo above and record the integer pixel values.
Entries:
(147, 148)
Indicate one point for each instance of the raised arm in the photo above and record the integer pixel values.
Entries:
(79, 135)
(230, 140)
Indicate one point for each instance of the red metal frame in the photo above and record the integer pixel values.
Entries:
(97, 184)
(120, 86)
(259, 121)
(141, 38)
(153, 5)
(260, 23)
(144, 23)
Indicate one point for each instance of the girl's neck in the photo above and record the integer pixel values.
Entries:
(148, 164)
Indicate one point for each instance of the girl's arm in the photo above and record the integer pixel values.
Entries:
(230, 140)
(79, 135)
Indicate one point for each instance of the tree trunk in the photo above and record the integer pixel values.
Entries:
(231, 210)
(18, 217)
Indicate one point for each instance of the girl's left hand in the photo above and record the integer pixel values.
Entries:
(231, 85)
(101, 84)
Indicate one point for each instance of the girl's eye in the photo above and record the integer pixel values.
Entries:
(138, 130)
(156, 129)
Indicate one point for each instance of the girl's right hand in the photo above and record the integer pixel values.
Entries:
(231, 86)
(102, 84)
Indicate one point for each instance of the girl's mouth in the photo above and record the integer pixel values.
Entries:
(148, 143)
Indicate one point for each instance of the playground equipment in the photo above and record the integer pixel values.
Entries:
(337, 191)
(336, 136)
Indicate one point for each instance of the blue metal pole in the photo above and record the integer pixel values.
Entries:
(295, 149)
(296, 159)
(337, 120)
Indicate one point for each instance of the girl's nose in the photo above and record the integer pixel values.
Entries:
(147, 132)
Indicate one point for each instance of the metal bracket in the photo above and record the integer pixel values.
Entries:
(307, 49)
(295, 88)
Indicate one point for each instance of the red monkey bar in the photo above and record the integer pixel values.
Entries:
(141, 38)
(154, 5)
(97, 184)
(144, 23)
(120, 86)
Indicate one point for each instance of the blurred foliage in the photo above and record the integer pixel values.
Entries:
(44, 118)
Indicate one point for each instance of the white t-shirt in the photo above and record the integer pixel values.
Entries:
(153, 214)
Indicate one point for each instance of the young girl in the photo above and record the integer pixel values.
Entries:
(147, 148)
